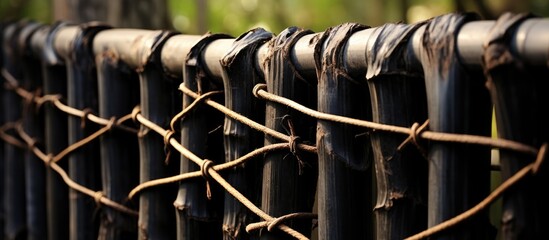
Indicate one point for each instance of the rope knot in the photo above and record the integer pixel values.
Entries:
(97, 196)
(85, 113)
(135, 111)
(204, 167)
(293, 142)
(257, 87)
(112, 123)
(167, 150)
(49, 159)
(415, 131)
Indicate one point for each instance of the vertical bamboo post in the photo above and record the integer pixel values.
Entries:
(344, 154)
(289, 176)
(2, 122)
(197, 216)
(118, 92)
(56, 133)
(158, 101)
(14, 168)
(519, 92)
(459, 174)
(84, 168)
(35, 175)
(398, 98)
(239, 77)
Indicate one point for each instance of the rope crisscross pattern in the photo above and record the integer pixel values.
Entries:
(209, 170)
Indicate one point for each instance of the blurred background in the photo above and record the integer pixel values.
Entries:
(237, 16)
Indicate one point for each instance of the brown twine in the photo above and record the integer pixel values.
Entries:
(204, 168)
(8, 138)
(219, 167)
(71, 183)
(71, 148)
(293, 142)
(415, 131)
(270, 225)
(531, 168)
(435, 136)
(97, 196)
(112, 123)
(47, 98)
(191, 106)
(167, 148)
(218, 178)
(242, 119)
(85, 113)
(135, 111)
(49, 159)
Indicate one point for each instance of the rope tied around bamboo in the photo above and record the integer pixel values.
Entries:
(293, 142)
(85, 113)
(415, 131)
(97, 197)
(49, 160)
(214, 174)
(204, 168)
(272, 224)
(260, 91)
(167, 149)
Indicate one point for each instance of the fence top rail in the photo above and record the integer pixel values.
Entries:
(531, 42)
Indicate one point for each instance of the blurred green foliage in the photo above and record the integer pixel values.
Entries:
(237, 16)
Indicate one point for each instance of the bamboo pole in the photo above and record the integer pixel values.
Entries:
(398, 98)
(517, 88)
(32, 122)
(199, 217)
(158, 102)
(84, 168)
(291, 175)
(55, 134)
(239, 77)
(457, 101)
(119, 150)
(344, 152)
(14, 168)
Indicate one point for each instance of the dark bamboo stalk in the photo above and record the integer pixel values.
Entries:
(398, 98)
(344, 154)
(84, 166)
(55, 135)
(2, 122)
(33, 120)
(14, 168)
(459, 175)
(239, 77)
(158, 101)
(199, 217)
(291, 176)
(118, 94)
(519, 92)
